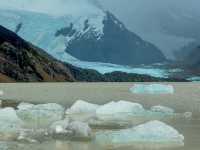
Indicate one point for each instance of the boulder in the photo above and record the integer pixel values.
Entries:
(154, 132)
(152, 89)
(81, 106)
(41, 115)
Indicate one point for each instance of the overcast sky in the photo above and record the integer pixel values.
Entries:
(128, 9)
(169, 24)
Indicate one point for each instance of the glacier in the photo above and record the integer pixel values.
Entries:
(44, 26)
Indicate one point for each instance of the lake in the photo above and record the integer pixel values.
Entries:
(185, 98)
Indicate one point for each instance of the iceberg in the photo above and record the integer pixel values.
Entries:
(119, 110)
(10, 124)
(59, 128)
(152, 89)
(1, 93)
(70, 129)
(162, 109)
(154, 132)
(81, 106)
(187, 115)
(42, 115)
(80, 129)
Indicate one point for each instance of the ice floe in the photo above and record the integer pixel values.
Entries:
(187, 115)
(152, 89)
(150, 132)
(70, 129)
(10, 124)
(80, 129)
(118, 110)
(162, 109)
(81, 106)
(1, 92)
(40, 115)
(120, 114)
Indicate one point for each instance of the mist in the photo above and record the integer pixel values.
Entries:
(52, 7)
(169, 24)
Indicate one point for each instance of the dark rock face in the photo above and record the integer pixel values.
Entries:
(21, 61)
(117, 45)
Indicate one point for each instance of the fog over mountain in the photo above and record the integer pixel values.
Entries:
(169, 24)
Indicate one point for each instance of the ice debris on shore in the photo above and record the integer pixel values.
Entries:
(150, 132)
(152, 89)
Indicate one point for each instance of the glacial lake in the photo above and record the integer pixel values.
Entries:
(185, 98)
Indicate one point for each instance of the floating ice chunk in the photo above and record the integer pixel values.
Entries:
(187, 115)
(162, 109)
(67, 129)
(150, 132)
(80, 129)
(24, 106)
(1, 92)
(119, 110)
(82, 107)
(152, 89)
(40, 115)
(10, 124)
(60, 127)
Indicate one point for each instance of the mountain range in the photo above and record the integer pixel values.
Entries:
(23, 62)
(85, 32)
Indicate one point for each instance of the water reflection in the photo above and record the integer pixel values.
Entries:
(190, 129)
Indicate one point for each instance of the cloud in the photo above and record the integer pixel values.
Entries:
(53, 7)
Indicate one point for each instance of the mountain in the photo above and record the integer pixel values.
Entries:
(24, 62)
(116, 45)
(168, 24)
(21, 61)
(82, 30)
